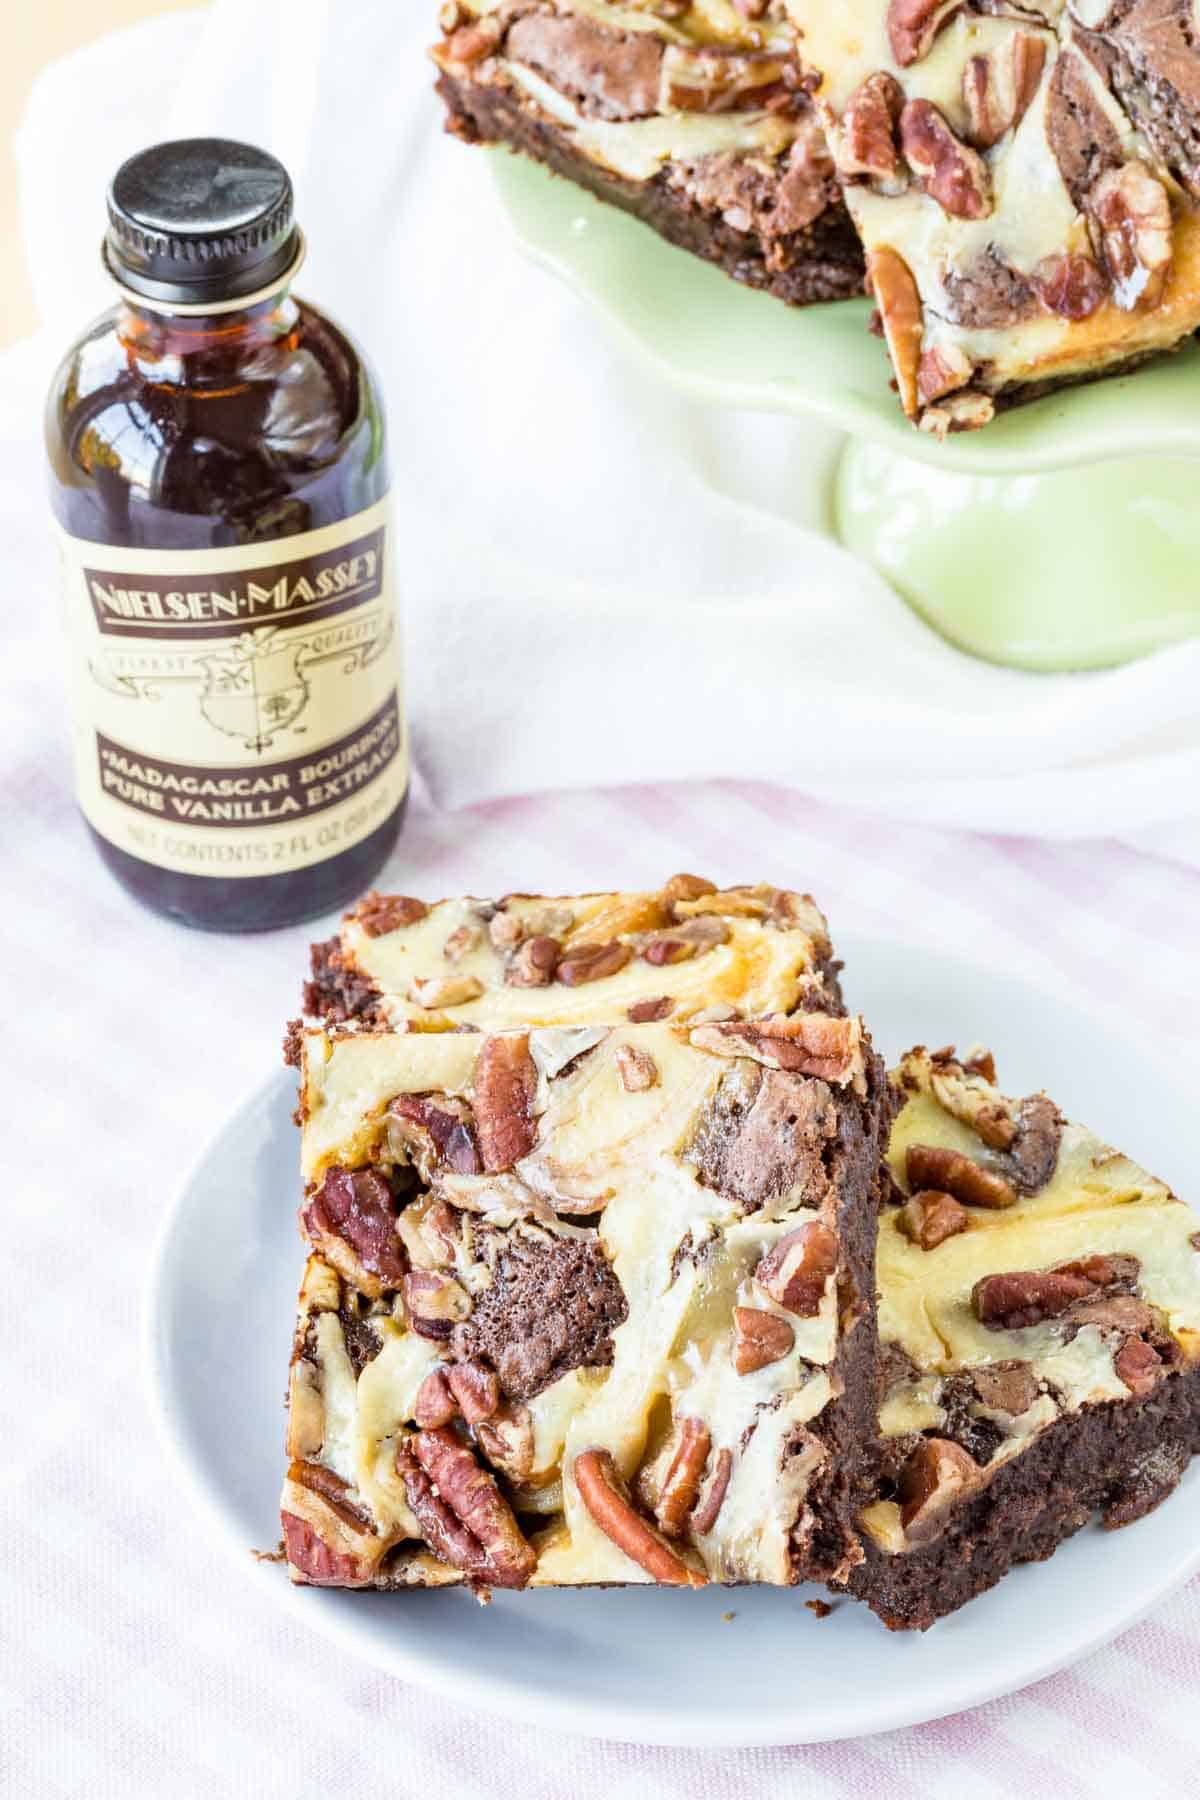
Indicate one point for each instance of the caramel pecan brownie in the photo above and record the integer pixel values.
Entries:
(691, 114)
(1039, 1324)
(586, 1304)
(1025, 177)
(683, 949)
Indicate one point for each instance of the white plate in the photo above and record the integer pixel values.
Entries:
(660, 1667)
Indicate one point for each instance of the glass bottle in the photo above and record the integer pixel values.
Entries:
(219, 479)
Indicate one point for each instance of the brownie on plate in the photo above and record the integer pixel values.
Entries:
(585, 1304)
(1025, 178)
(1039, 1324)
(680, 950)
(694, 117)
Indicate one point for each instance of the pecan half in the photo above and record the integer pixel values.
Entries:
(931, 1217)
(681, 1483)
(533, 963)
(1070, 285)
(684, 940)
(355, 1208)
(951, 172)
(602, 1492)
(912, 26)
(797, 1269)
(1133, 217)
(637, 1068)
(929, 1166)
(380, 913)
(475, 1388)
(1027, 1296)
(868, 141)
(1138, 1365)
(592, 962)
(999, 89)
(708, 1509)
(759, 1338)
(804, 1043)
(332, 1490)
(899, 303)
(932, 1479)
(505, 1090)
(461, 1511)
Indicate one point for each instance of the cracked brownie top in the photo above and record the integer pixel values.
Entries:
(576, 1301)
(1027, 1271)
(1024, 175)
(685, 949)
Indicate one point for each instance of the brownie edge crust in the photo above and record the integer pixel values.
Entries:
(823, 262)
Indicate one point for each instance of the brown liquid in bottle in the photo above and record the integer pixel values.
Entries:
(200, 432)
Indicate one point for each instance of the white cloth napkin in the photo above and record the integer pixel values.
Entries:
(603, 582)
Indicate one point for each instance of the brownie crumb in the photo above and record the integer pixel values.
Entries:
(820, 1609)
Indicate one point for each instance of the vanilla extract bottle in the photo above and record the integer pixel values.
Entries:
(218, 475)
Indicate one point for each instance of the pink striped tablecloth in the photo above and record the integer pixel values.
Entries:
(134, 1658)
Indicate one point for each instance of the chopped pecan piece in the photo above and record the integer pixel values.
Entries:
(998, 89)
(462, 940)
(471, 43)
(759, 1338)
(681, 1483)
(506, 1439)
(533, 963)
(1138, 1365)
(461, 1511)
(685, 940)
(317, 1562)
(1070, 285)
(380, 913)
(708, 1509)
(797, 1270)
(868, 142)
(355, 1208)
(333, 1491)
(951, 172)
(446, 1124)
(505, 1090)
(475, 1389)
(602, 1492)
(931, 1217)
(645, 1012)
(686, 887)
(929, 1166)
(967, 411)
(637, 1068)
(435, 1404)
(434, 991)
(899, 303)
(1114, 1312)
(935, 1476)
(1009, 1387)
(942, 370)
(592, 962)
(504, 930)
(804, 1043)
(912, 26)
(436, 1303)
(1133, 216)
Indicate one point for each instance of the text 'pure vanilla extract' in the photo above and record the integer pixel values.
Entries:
(219, 477)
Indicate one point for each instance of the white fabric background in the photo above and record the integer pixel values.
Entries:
(136, 1658)
(578, 541)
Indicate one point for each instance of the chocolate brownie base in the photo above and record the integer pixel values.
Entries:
(823, 262)
(1118, 1460)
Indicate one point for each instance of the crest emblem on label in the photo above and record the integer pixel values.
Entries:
(255, 688)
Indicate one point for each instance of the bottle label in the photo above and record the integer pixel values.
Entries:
(238, 711)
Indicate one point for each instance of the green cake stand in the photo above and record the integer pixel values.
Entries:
(1064, 536)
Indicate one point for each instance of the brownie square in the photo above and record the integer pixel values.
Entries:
(586, 1304)
(1039, 1322)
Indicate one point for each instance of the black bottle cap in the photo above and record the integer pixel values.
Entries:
(200, 221)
